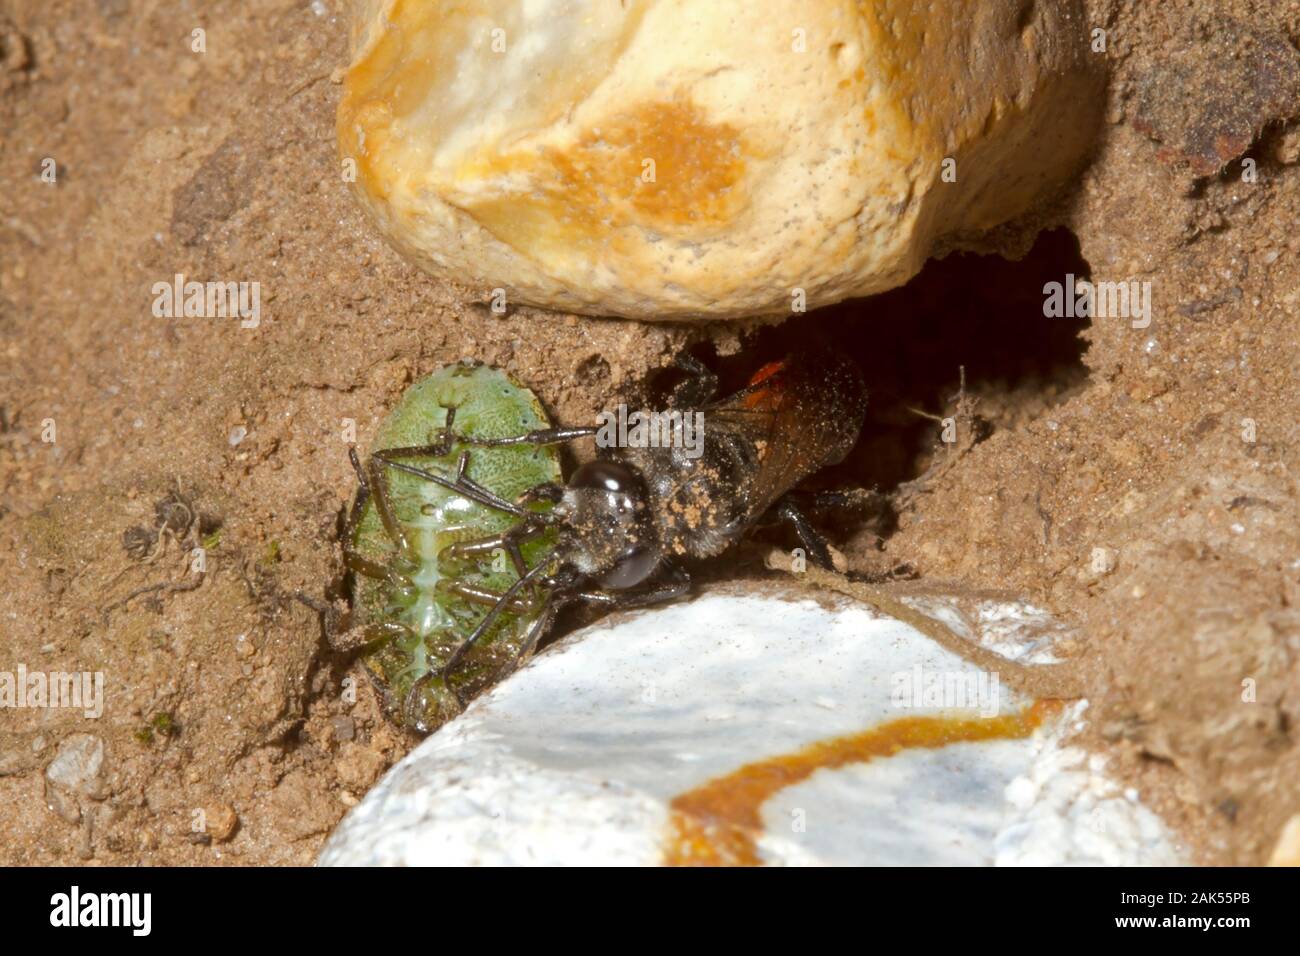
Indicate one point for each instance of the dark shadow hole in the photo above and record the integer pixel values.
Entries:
(980, 313)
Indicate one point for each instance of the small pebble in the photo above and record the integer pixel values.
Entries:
(345, 728)
(77, 764)
(222, 821)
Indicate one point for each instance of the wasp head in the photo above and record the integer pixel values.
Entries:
(609, 532)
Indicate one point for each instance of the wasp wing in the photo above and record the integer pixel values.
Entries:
(797, 415)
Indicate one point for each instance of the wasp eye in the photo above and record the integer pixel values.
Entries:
(606, 476)
(631, 569)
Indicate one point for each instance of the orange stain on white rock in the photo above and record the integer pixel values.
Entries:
(720, 823)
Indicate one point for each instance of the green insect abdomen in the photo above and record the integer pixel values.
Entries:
(436, 620)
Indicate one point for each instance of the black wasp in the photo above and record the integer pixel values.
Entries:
(627, 520)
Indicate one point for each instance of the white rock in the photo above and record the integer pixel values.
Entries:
(625, 743)
(1014, 630)
(74, 772)
(77, 764)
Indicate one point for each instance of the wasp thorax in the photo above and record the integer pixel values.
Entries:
(610, 527)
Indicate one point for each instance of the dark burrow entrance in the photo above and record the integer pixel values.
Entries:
(979, 314)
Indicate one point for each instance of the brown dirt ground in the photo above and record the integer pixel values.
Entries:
(223, 165)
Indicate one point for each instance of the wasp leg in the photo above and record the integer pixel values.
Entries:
(448, 439)
(462, 484)
(536, 631)
(547, 491)
(677, 585)
(787, 510)
(495, 600)
(542, 436)
(437, 449)
(477, 595)
(698, 388)
(858, 499)
(444, 673)
(508, 541)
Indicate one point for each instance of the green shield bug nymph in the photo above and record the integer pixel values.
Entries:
(443, 622)
(424, 542)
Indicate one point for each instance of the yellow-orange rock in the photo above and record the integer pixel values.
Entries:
(1287, 851)
(671, 159)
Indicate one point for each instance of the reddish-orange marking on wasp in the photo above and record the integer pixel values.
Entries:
(764, 397)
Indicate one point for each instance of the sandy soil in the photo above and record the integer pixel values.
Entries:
(1141, 483)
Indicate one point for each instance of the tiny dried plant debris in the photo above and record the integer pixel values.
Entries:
(179, 529)
(138, 541)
